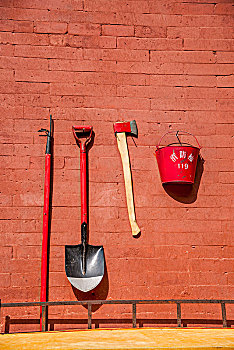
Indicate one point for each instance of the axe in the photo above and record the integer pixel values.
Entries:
(120, 129)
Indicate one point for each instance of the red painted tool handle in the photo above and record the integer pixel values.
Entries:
(79, 131)
(83, 183)
(85, 132)
(44, 257)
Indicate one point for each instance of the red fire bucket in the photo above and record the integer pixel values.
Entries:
(177, 162)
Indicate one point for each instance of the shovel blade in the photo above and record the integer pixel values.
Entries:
(94, 269)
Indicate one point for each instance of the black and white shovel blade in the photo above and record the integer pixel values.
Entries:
(94, 269)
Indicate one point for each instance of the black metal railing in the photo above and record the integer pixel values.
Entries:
(134, 303)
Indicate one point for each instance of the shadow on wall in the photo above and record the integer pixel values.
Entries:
(98, 293)
(119, 323)
(186, 193)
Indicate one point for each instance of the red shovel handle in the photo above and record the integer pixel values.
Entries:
(82, 131)
(177, 133)
(85, 133)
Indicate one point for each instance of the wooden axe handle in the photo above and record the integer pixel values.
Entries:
(123, 150)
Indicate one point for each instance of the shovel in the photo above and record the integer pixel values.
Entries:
(84, 263)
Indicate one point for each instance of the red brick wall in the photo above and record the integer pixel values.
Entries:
(166, 64)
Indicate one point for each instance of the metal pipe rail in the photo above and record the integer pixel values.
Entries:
(89, 303)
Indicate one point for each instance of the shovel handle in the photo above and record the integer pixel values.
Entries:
(83, 135)
(80, 132)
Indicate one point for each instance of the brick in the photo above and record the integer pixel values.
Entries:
(225, 81)
(208, 69)
(36, 99)
(188, 104)
(150, 32)
(85, 77)
(230, 278)
(228, 154)
(5, 280)
(92, 41)
(195, 92)
(20, 125)
(6, 75)
(70, 101)
(82, 66)
(7, 149)
(221, 165)
(48, 52)
(202, 252)
(6, 252)
(225, 57)
(150, 68)
(218, 140)
(117, 102)
(23, 27)
(18, 139)
(60, 40)
(81, 90)
(206, 21)
(207, 278)
(15, 162)
(22, 239)
(24, 38)
(183, 32)
(58, 279)
(208, 44)
(223, 9)
(91, 114)
(181, 8)
(50, 27)
(6, 25)
(34, 112)
(59, 5)
(226, 177)
(149, 43)
(23, 63)
(25, 279)
(216, 33)
(150, 91)
(182, 80)
(207, 265)
(7, 50)
(225, 105)
(182, 57)
(116, 55)
(26, 199)
(20, 267)
(113, 6)
(161, 20)
(18, 213)
(84, 28)
(117, 30)
(19, 226)
(33, 88)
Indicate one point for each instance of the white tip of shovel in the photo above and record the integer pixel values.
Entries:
(85, 284)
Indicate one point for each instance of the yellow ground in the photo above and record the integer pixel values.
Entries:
(144, 338)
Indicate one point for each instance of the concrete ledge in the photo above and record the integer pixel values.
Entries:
(146, 338)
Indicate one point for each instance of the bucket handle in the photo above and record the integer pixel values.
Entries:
(177, 133)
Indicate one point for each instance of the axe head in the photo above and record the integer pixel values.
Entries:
(128, 127)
